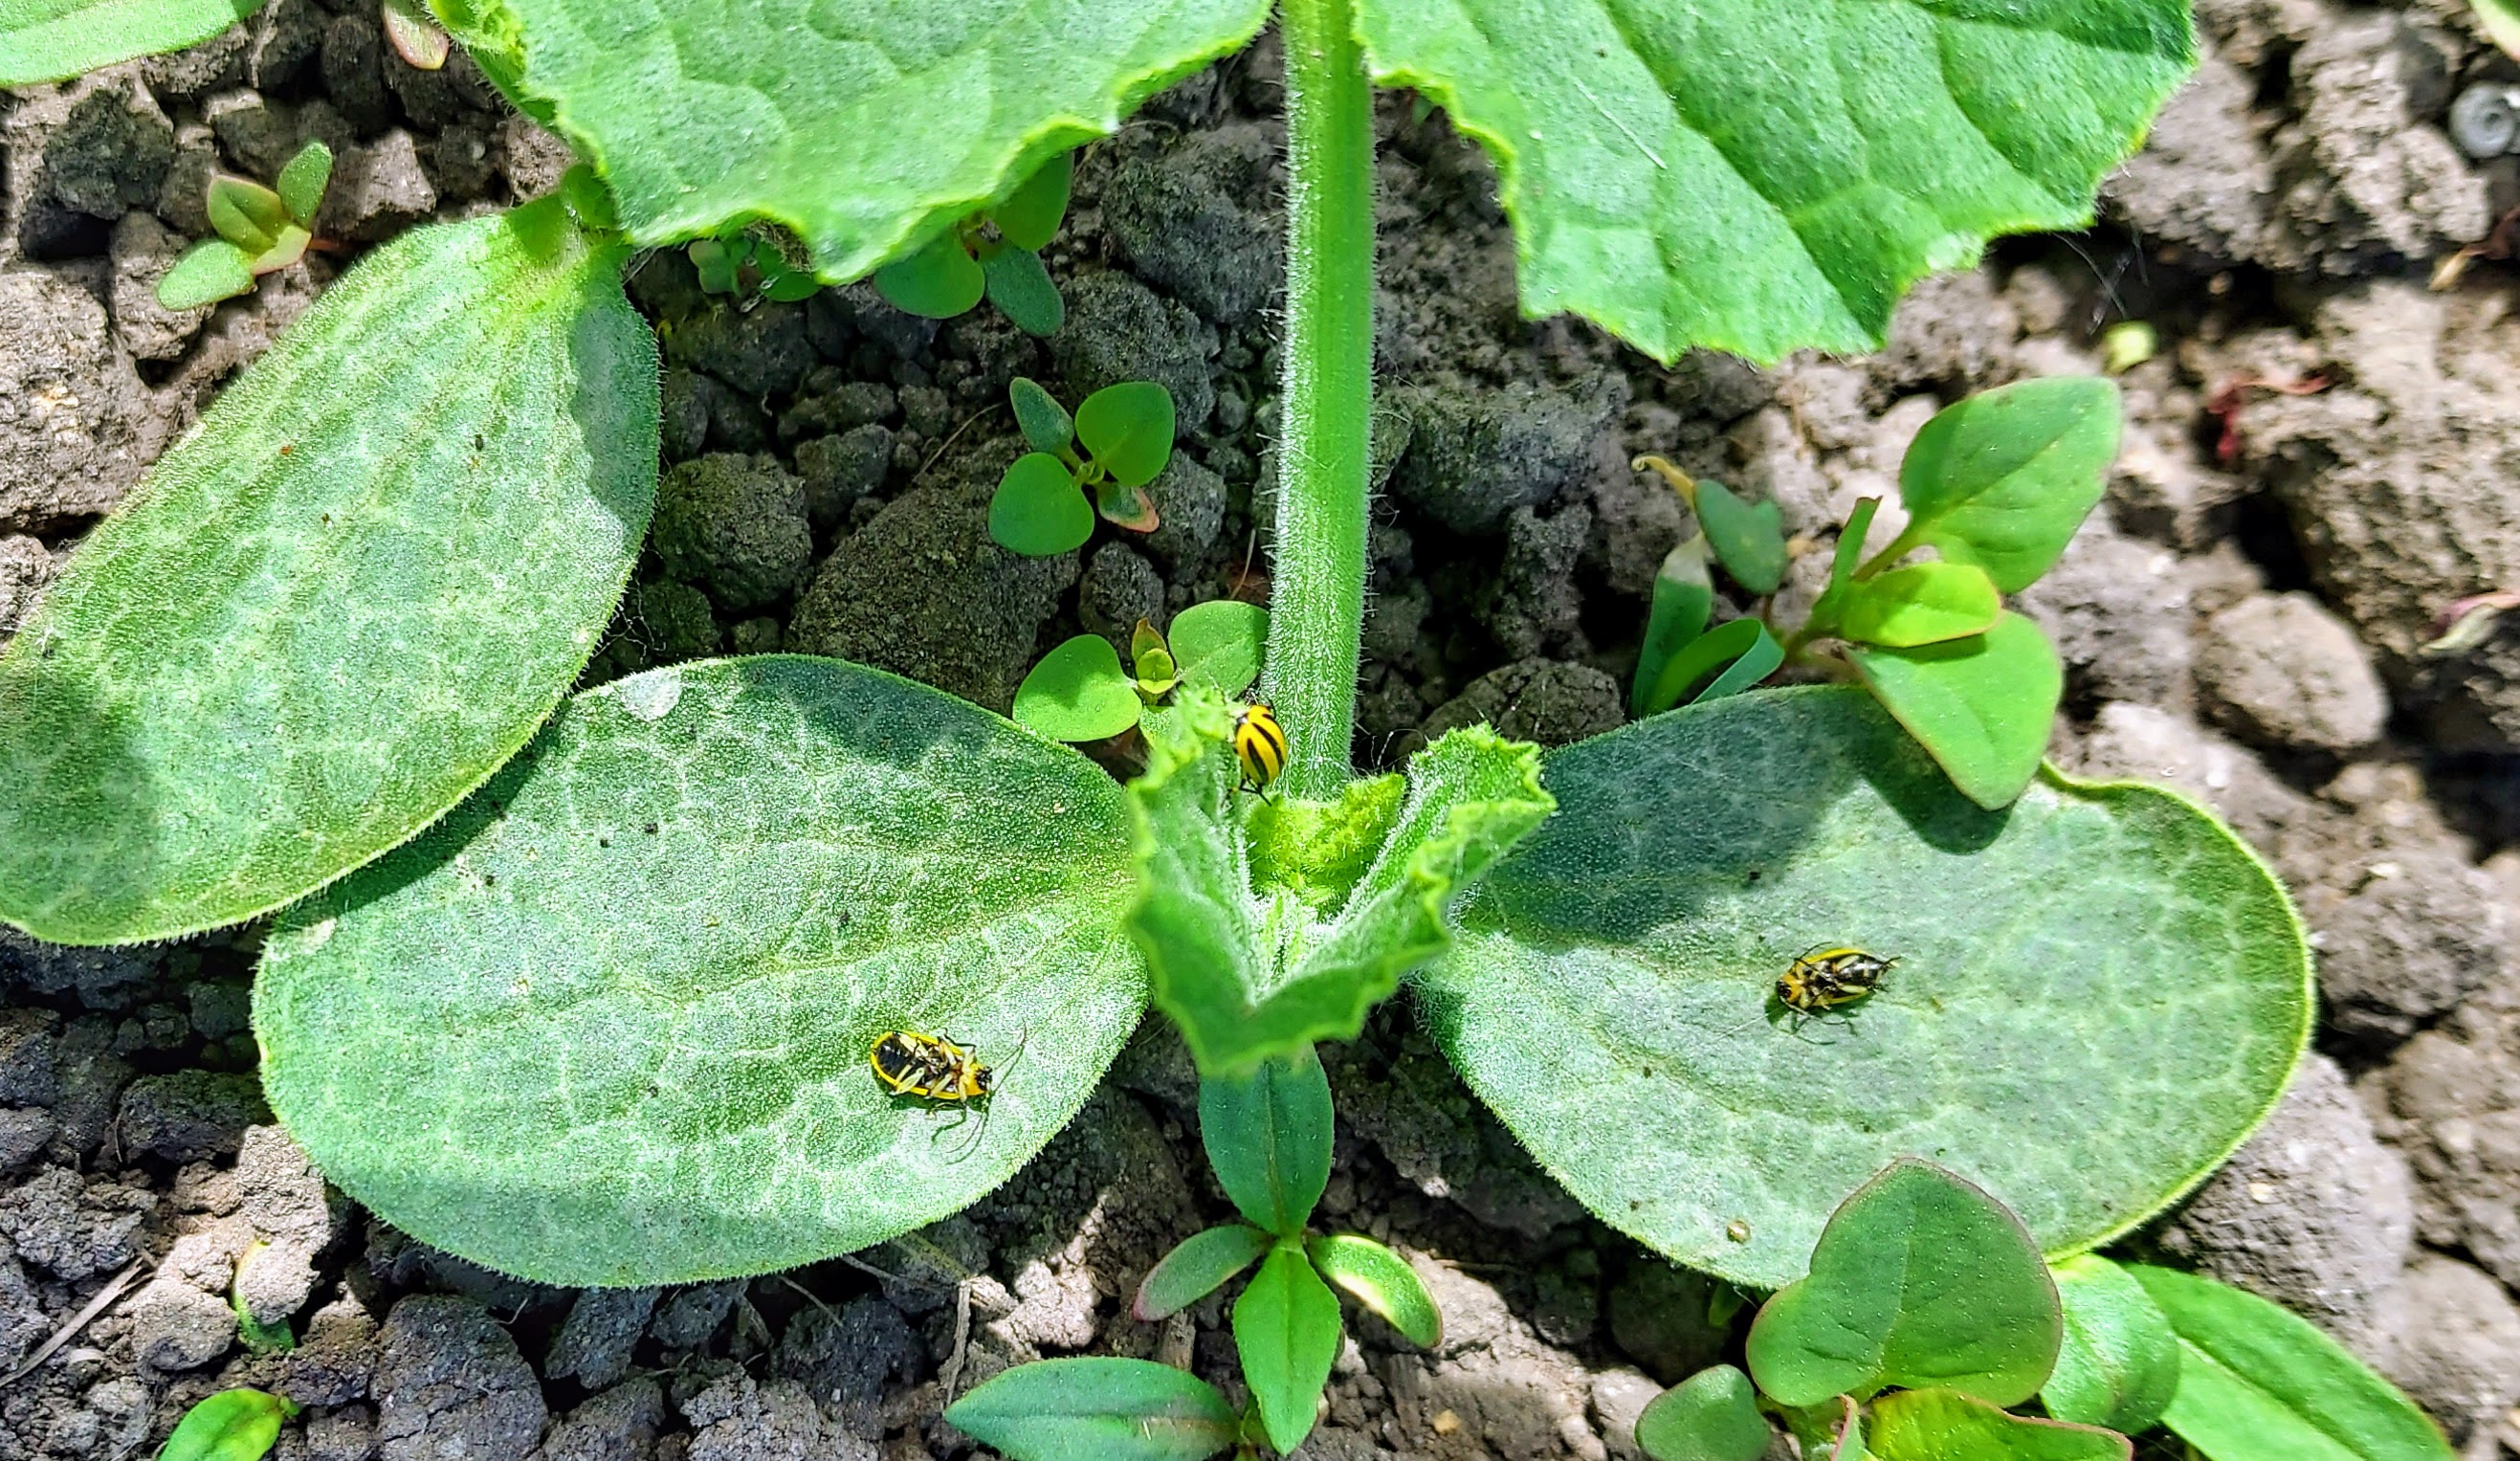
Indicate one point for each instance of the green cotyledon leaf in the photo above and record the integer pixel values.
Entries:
(2099, 990)
(867, 128)
(635, 980)
(54, 40)
(1761, 177)
(341, 603)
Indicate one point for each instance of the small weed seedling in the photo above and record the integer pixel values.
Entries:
(262, 231)
(234, 1424)
(1078, 692)
(995, 251)
(1047, 502)
(749, 261)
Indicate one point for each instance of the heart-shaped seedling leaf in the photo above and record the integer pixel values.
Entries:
(467, 422)
(2119, 1365)
(1383, 1280)
(1268, 1136)
(939, 282)
(719, 263)
(1287, 1330)
(1044, 422)
(234, 1424)
(1240, 983)
(1039, 511)
(1031, 215)
(1946, 1425)
(1919, 1279)
(1683, 594)
(1016, 282)
(1126, 507)
(1078, 693)
(1097, 1409)
(1197, 1267)
(782, 281)
(303, 180)
(858, 142)
(1982, 706)
(2257, 1383)
(1152, 662)
(1748, 538)
(58, 39)
(1608, 992)
(245, 213)
(2002, 479)
(637, 979)
(413, 34)
(1923, 603)
(1889, 142)
(1218, 644)
(1127, 429)
(1738, 652)
(209, 271)
(1712, 1415)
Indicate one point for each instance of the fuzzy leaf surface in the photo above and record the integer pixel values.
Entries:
(2119, 1365)
(1197, 1267)
(1918, 1280)
(1267, 1137)
(209, 271)
(344, 600)
(54, 40)
(1097, 1409)
(2129, 1035)
(866, 126)
(1761, 177)
(635, 980)
(2258, 1383)
(1944, 1424)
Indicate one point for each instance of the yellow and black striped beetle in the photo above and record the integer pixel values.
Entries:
(935, 1068)
(1260, 744)
(1827, 978)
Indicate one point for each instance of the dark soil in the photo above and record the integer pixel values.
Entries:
(2243, 620)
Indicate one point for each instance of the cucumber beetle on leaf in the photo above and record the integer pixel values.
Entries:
(936, 1069)
(1260, 744)
(1827, 978)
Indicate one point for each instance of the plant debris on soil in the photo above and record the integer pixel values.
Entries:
(2319, 463)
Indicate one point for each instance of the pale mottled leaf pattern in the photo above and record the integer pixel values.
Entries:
(346, 600)
(2099, 991)
(634, 983)
(52, 40)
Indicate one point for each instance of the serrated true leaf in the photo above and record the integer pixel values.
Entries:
(867, 132)
(245, 213)
(1317, 850)
(233, 1425)
(1044, 422)
(302, 181)
(1607, 993)
(1923, 603)
(1748, 537)
(1197, 1267)
(1127, 429)
(1919, 1279)
(1097, 1409)
(1218, 644)
(54, 40)
(1383, 1280)
(1943, 1424)
(2119, 1364)
(1078, 693)
(1016, 282)
(1712, 1415)
(1268, 1136)
(1286, 1333)
(2257, 1383)
(1248, 973)
(1683, 593)
(1760, 178)
(635, 979)
(1982, 705)
(209, 271)
(340, 604)
(1029, 217)
(2003, 478)
(938, 282)
(1038, 510)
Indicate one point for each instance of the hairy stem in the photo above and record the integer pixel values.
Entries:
(1317, 600)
